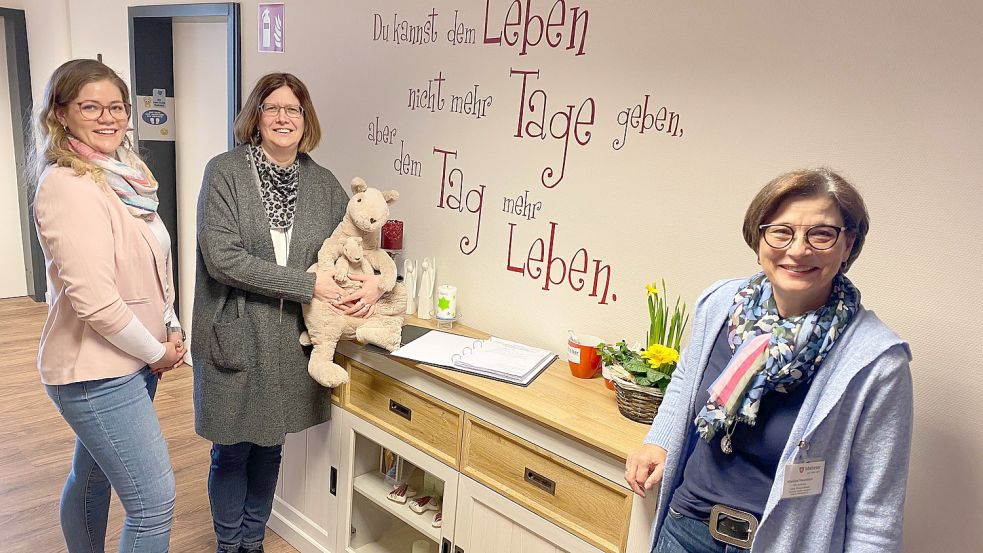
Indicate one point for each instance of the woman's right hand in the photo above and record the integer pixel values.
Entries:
(327, 290)
(172, 356)
(644, 468)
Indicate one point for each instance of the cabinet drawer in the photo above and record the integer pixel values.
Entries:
(579, 501)
(405, 412)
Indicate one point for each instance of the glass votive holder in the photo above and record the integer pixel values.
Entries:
(392, 235)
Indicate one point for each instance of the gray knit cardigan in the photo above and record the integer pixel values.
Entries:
(250, 371)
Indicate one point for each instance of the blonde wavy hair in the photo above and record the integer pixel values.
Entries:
(50, 136)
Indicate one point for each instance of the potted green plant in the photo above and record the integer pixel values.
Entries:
(640, 377)
(614, 359)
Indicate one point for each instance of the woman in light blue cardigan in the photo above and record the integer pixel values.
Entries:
(787, 425)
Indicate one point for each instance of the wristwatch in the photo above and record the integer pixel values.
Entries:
(171, 329)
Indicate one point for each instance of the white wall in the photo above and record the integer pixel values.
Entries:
(887, 96)
(48, 46)
(48, 36)
(200, 118)
(13, 282)
(102, 27)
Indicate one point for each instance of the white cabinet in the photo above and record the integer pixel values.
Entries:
(371, 523)
(476, 519)
(501, 492)
(490, 523)
(305, 506)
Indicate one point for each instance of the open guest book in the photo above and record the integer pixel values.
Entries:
(493, 358)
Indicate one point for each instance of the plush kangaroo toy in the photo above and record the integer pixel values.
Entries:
(357, 233)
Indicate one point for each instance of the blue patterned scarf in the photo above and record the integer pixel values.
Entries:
(771, 353)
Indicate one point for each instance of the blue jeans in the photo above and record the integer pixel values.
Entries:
(118, 444)
(241, 483)
(681, 534)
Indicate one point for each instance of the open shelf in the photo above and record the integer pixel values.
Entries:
(373, 487)
(375, 530)
(397, 541)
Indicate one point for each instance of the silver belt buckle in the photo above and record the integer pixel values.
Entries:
(719, 512)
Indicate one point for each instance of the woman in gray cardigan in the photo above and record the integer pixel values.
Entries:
(787, 425)
(263, 212)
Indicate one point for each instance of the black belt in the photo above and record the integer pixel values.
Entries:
(732, 526)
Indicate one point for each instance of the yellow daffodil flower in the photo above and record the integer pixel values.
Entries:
(652, 290)
(658, 355)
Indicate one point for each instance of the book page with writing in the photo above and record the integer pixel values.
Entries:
(504, 358)
(435, 348)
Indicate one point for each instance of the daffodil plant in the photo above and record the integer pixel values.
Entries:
(654, 366)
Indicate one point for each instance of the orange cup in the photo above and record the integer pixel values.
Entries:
(582, 355)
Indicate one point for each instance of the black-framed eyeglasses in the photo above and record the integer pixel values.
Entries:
(819, 237)
(272, 110)
(92, 110)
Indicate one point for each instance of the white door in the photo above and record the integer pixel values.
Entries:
(489, 523)
(201, 130)
(305, 506)
(13, 274)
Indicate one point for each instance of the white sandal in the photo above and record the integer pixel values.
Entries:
(401, 493)
(423, 504)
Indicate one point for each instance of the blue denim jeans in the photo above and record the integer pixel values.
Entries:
(118, 444)
(681, 534)
(241, 483)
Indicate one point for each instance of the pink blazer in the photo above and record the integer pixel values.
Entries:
(104, 267)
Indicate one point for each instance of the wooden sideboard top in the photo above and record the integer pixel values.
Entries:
(583, 409)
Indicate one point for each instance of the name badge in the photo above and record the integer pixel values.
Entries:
(803, 479)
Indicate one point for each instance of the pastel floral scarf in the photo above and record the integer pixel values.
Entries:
(771, 353)
(128, 177)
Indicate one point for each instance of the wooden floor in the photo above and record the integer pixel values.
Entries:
(36, 447)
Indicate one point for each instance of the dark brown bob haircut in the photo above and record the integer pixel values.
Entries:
(246, 128)
(809, 183)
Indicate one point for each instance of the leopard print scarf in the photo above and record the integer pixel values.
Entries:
(278, 186)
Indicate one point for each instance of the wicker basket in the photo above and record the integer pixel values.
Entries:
(638, 403)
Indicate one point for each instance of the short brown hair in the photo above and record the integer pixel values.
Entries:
(246, 128)
(809, 183)
(64, 86)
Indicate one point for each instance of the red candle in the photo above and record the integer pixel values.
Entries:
(392, 235)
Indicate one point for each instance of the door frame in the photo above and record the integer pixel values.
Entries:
(158, 19)
(21, 109)
(228, 10)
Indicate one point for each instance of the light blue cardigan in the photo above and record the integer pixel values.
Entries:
(857, 416)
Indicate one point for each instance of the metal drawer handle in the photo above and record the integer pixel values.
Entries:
(445, 546)
(540, 481)
(400, 409)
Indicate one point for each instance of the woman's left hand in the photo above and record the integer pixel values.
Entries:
(178, 340)
(362, 302)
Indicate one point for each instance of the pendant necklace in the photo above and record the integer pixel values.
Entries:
(725, 442)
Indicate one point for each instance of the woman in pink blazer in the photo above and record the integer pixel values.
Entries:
(111, 330)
